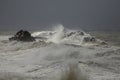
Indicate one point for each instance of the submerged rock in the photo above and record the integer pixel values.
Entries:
(22, 36)
(89, 39)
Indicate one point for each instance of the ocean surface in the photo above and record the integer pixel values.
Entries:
(61, 54)
(112, 37)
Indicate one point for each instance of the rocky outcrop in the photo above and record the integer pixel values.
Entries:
(22, 36)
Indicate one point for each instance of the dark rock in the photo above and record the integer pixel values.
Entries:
(80, 33)
(92, 39)
(89, 39)
(70, 34)
(22, 36)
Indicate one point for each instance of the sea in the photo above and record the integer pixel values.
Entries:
(61, 54)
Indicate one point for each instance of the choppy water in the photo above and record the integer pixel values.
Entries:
(112, 37)
(59, 57)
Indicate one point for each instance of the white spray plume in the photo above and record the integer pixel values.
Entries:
(56, 38)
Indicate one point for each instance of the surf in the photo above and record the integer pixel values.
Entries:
(59, 54)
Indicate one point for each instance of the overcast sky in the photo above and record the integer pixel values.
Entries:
(39, 14)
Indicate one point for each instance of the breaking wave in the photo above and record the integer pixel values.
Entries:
(59, 54)
(66, 36)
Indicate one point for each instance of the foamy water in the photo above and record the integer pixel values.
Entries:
(61, 54)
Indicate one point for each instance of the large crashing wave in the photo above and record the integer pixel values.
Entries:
(60, 54)
(66, 36)
(59, 35)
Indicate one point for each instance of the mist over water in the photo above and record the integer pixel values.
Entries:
(59, 54)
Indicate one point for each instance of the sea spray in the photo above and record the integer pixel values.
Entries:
(73, 72)
(66, 36)
(57, 37)
(40, 61)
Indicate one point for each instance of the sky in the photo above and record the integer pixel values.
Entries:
(41, 14)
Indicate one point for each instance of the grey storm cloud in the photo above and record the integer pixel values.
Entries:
(36, 14)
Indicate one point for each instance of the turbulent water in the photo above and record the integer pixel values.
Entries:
(61, 54)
